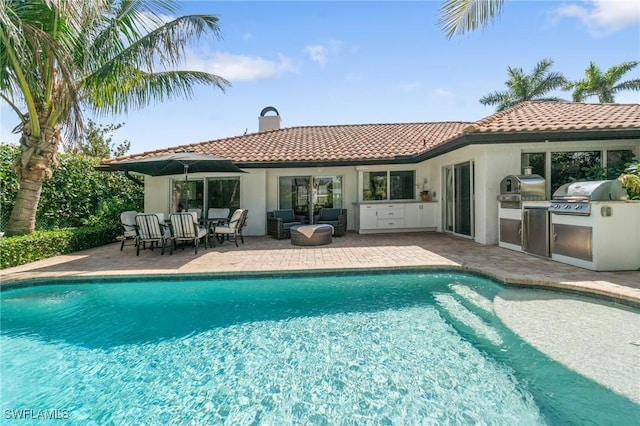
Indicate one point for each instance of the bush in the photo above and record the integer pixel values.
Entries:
(18, 250)
(77, 195)
(631, 180)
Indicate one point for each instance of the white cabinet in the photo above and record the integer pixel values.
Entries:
(390, 216)
(429, 215)
(368, 216)
(409, 216)
(422, 215)
(413, 215)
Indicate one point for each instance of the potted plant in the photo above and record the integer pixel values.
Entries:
(424, 190)
(631, 180)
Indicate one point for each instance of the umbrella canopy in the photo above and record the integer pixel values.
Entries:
(175, 164)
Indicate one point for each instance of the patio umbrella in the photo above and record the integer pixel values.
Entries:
(175, 164)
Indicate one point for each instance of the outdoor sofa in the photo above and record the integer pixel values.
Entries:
(334, 217)
(279, 223)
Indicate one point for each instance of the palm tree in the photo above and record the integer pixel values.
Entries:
(523, 87)
(605, 85)
(108, 56)
(461, 16)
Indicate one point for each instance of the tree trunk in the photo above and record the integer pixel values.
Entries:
(23, 215)
(37, 153)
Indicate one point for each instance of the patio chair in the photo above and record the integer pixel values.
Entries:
(198, 213)
(128, 223)
(279, 223)
(218, 215)
(184, 227)
(233, 229)
(334, 217)
(150, 229)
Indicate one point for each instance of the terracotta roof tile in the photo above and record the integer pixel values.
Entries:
(539, 116)
(354, 142)
(362, 142)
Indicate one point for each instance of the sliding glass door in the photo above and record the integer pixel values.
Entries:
(306, 195)
(458, 206)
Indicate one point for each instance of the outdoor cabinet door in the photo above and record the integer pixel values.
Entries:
(368, 217)
(413, 215)
(429, 215)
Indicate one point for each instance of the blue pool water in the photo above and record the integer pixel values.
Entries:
(381, 349)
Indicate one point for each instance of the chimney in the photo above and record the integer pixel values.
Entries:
(268, 122)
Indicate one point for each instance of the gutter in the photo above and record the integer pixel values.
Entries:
(522, 137)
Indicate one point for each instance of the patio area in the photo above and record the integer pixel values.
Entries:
(352, 251)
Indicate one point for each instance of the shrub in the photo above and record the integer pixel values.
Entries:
(631, 180)
(18, 250)
(77, 195)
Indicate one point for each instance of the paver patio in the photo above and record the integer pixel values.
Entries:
(353, 251)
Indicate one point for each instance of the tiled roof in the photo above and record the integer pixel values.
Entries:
(355, 142)
(539, 116)
(375, 142)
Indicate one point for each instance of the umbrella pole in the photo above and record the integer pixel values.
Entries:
(186, 184)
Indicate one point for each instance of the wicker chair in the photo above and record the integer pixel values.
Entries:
(335, 217)
(279, 223)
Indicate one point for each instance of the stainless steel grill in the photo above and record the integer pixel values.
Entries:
(575, 198)
(514, 189)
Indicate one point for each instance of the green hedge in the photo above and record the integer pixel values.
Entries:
(40, 245)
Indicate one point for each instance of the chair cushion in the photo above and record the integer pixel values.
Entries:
(329, 214)
(290, 224)
(285, 215)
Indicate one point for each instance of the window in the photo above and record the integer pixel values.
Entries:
(223, 192)
(403, 185)
(573, 166)
(374, 186)
(389, 185)
(187, 195)
(536, 161)
(617, 161)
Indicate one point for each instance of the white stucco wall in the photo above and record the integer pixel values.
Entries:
(259, 187)
(157, 196)
(492, 163)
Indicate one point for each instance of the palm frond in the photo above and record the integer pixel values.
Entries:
(615, 73)
(141, 89)
(628, 85)
(460, 16)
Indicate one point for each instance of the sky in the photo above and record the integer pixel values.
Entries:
(358, 62)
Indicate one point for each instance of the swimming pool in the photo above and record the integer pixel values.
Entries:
(388, 348)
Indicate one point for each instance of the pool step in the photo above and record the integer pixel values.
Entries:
(460, 313)
(472, 296)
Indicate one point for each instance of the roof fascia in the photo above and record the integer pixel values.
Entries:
(522, 137)
(408, 159)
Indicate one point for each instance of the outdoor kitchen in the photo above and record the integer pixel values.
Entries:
(591, 225)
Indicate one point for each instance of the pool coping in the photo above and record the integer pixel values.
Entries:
(600, 291)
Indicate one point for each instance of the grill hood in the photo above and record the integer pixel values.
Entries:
(600, 190)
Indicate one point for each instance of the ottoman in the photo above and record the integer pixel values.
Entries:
(311, 235)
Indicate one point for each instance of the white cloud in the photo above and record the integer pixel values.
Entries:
(317, 53)
(239, 67)
(602, 17)
(321, 53)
